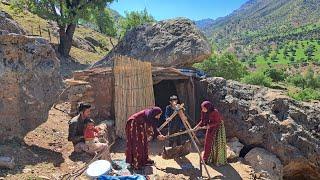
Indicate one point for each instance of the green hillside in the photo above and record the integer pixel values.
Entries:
(291, 53)
(277, 40)
(260, 22)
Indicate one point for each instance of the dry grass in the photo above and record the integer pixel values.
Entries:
(85, 57)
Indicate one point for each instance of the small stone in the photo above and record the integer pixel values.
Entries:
(26, 170)
(44, 177)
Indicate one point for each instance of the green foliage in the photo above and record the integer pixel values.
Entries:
(276, 74)
(105, 22)
(226, 66)
(101, 20)
(309, 51)
(257, 78)
(63, 12)
(305, 95)
(309, 80)
(133, 19)
(297, 80)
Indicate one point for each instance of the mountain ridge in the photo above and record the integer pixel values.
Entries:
(260, 18)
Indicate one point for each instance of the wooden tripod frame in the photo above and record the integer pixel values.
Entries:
(191, 133)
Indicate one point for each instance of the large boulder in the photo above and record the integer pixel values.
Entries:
(263, 117)
(175, 42)
(9, 25)
(29, 83)
(264, 161)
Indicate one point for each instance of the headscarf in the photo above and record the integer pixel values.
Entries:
(152, 112)
(208, 105)
(205, 115)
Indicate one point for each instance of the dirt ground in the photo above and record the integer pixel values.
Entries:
(45, 153)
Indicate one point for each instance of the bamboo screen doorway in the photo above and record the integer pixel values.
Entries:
(133, 89)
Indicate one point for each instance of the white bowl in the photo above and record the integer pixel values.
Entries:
(98, 168)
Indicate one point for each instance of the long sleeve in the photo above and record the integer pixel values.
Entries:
(201, 122)
(155, 131)
(215, 119)
(72, 136)
(167, 113)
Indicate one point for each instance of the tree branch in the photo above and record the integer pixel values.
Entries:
(55, 14)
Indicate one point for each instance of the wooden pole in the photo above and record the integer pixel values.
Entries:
(184, 132)
(49, 34)
(184, 119)
(193, 133)
(171, 117)
(40, 30)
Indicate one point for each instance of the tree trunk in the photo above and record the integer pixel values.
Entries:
(66, 36)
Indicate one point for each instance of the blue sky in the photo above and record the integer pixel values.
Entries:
(192, 9)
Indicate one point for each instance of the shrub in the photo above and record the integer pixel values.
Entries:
(297, 80)
(309, 80)
(276, 74)
(257, 78)
(306, 95)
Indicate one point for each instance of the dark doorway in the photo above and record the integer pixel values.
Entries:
(162, 93)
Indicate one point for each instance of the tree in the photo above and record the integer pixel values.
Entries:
(134, 19)
(105, 22)
(309, 51)
(292, 59)
(226, 66)
(65, 13)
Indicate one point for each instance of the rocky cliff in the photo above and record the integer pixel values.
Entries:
(175, 42)
(262, 117)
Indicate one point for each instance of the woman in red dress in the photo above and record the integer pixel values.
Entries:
(137, 131)
(210, 118)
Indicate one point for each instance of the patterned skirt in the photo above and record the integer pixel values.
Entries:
(218, 155)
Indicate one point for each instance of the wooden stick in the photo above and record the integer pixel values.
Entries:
(194, 135)
(81, 170)
(171, 117)
(184, 119)
(184, 132)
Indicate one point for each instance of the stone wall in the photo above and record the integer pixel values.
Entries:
(98, 92)
(267, 118)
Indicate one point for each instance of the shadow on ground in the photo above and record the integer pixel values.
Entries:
(27, 155)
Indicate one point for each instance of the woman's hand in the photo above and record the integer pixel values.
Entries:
(196, 127)
(161, 137)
